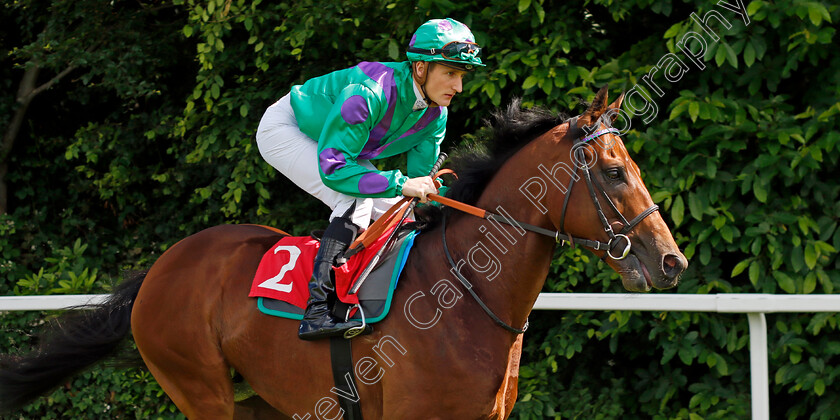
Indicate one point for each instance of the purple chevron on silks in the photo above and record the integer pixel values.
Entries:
(384, 76)
(331, 160)
(424, 121)
(372, 150)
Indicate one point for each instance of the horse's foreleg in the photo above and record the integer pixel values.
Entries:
(510, 386)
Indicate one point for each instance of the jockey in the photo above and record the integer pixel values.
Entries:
(324, 133)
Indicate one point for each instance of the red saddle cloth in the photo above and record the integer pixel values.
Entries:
(286, 268)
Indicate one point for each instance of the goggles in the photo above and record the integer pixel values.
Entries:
(454, 50)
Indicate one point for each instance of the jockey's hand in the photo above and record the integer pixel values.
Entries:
(419, 187)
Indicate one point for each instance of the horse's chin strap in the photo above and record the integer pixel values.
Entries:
(426, 98)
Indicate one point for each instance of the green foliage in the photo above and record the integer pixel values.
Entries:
(150, 139)
(62, 277)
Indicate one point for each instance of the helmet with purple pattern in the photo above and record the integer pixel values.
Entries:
(447, 42)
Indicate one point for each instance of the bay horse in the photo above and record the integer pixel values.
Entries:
(193, 322)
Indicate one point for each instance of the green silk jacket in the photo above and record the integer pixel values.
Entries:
(367, 112)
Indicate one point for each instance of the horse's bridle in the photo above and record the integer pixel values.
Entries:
(592, 184)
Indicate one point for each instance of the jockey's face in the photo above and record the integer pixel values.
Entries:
(442, 82)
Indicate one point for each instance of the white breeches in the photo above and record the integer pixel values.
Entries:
(295, 155)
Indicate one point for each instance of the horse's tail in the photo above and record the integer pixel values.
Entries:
(74, 342)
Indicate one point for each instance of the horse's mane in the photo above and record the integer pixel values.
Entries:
(508, 130)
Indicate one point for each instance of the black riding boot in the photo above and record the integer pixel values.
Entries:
(317, 321)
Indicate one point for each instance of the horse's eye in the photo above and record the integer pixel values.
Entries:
(614, 174)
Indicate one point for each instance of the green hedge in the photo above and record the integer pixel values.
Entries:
(151, 139)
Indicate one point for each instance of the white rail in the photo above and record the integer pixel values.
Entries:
(47, 303)
(754, 305)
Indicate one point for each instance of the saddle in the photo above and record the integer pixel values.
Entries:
(281, 282)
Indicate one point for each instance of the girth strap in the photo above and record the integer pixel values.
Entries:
(341, 355)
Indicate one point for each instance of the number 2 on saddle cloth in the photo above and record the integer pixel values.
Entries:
(282, 278)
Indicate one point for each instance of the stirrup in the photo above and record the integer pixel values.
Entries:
(352, 332)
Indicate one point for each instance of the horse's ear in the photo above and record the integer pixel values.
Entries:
(596, 109)
(616, 105)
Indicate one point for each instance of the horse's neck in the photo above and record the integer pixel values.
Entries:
(506, 265)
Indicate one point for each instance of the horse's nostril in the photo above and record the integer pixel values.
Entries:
(672, 266)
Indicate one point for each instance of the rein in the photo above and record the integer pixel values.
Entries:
(560, 237)
(469, 287)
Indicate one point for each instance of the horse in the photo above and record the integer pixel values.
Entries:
(546, 182)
